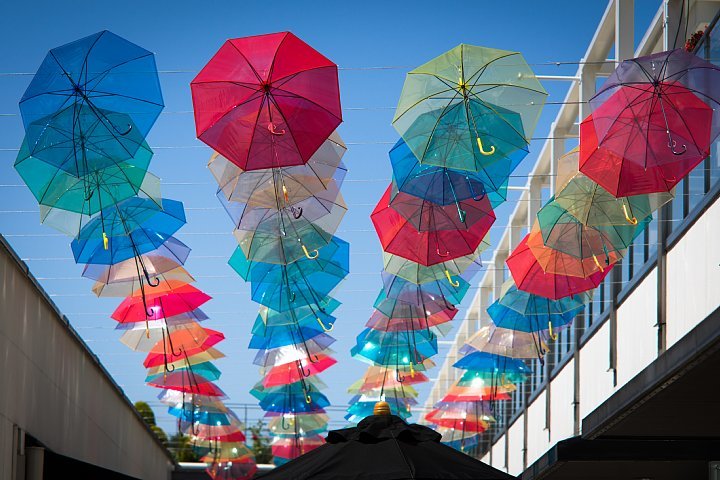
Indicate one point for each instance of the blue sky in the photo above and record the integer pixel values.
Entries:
(184, 35)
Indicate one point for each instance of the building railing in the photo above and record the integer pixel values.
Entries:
(693, 195)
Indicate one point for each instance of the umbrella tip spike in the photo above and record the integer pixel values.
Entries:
(382, 408)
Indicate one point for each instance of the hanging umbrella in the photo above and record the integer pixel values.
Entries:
(395, 308)
(563, 232)
(145, 339)
(196, 374)
(165, 300)
(399, 237)
(164, 354)
(128, 229)
(380, 321)
(654, 119)
(70, 109)
(400, 289)
(445, 186)
(458, 419)
(304, 282)
(168, 257)
(291, 353)
(530, 277)
(291, 424)
(592, 205)
(392, 349)
(266, 101)
(292, 372)
(265, 337)
(289, 218)
(398, 451)
(193, 316)
(470, 107)
(488, 362)
(273, 318)
(467, 266)
(292, 448)
(93, 190)
(126, 288)
(508, 342)
(427, 216)
(479, 377)
(263, 187)
(556, 262)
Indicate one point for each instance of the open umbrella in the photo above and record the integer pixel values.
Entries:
(265, 187)
(266, 101)
(530, 277)
(71, 107)
(384, 446)
(654, 119)
(400, 237)
(470, 107)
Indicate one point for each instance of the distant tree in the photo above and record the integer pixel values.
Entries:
(182, 448)
(148, 416)
(261, 443)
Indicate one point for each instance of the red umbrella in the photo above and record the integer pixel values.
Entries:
(163, 352)
(427, 216)
(266, 101)
(400, 237)
(179, 382)
(293, 447)
(170, 298)
(652, 122)
(530, 277)
(295, 371)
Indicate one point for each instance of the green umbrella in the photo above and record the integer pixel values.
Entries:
(592, 205)
(469, 108)
(93, 190)
(564, 232)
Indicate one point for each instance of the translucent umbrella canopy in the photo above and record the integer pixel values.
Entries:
(400, 237)
(304, 282)
(81, 85)
(169, 256)
(438, 290)
(287, 373)
(427, 216)
(530, 277)
(90, 192)
(264, 188)
(165, 300)
(292, 424)
(490, 362)
(654, 119)
(446, 186)
(380, 321)
(145, 339)
(292, 353)
(126, 288)
(509, 342)
(556, 262)
(395, 308)
(469, 107)
(274, 318)
(592, 205)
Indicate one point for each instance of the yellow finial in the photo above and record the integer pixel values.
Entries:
(382, 408)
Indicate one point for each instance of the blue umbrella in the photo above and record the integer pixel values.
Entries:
(304, 282)
(446, 186)
(100, 87)
(488, 362)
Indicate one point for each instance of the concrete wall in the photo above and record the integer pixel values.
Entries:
(53, 388)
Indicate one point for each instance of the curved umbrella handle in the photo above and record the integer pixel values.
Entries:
(446, 254)
(325, 328)
(273, 129)
(550, 331)
(631, 220)
(291, 297)
(285, 193)
(672, 145)
(296, 212)
(106, 241)
(283, 424)
(452, 282)
(462, 214)
(399, 377)
(597, 263)
(308, 399)
(487, 153)
(309, 256)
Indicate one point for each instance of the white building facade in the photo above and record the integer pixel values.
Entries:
(653, 314)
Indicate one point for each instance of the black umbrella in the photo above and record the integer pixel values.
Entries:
(384, 447)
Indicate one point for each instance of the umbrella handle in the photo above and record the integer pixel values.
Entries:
(325, 328)
(106, 241)
(296, 212)
(672, 144)
(309, 256)
(285, 193)
(399, 377)
(597, 262)
(308, 399)
(487, 153)
(550, 331)
(273, 129)
(462, 214)
(283, 424)
(631, 220)
(452, 282)
(446, 254)
(291, 297)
